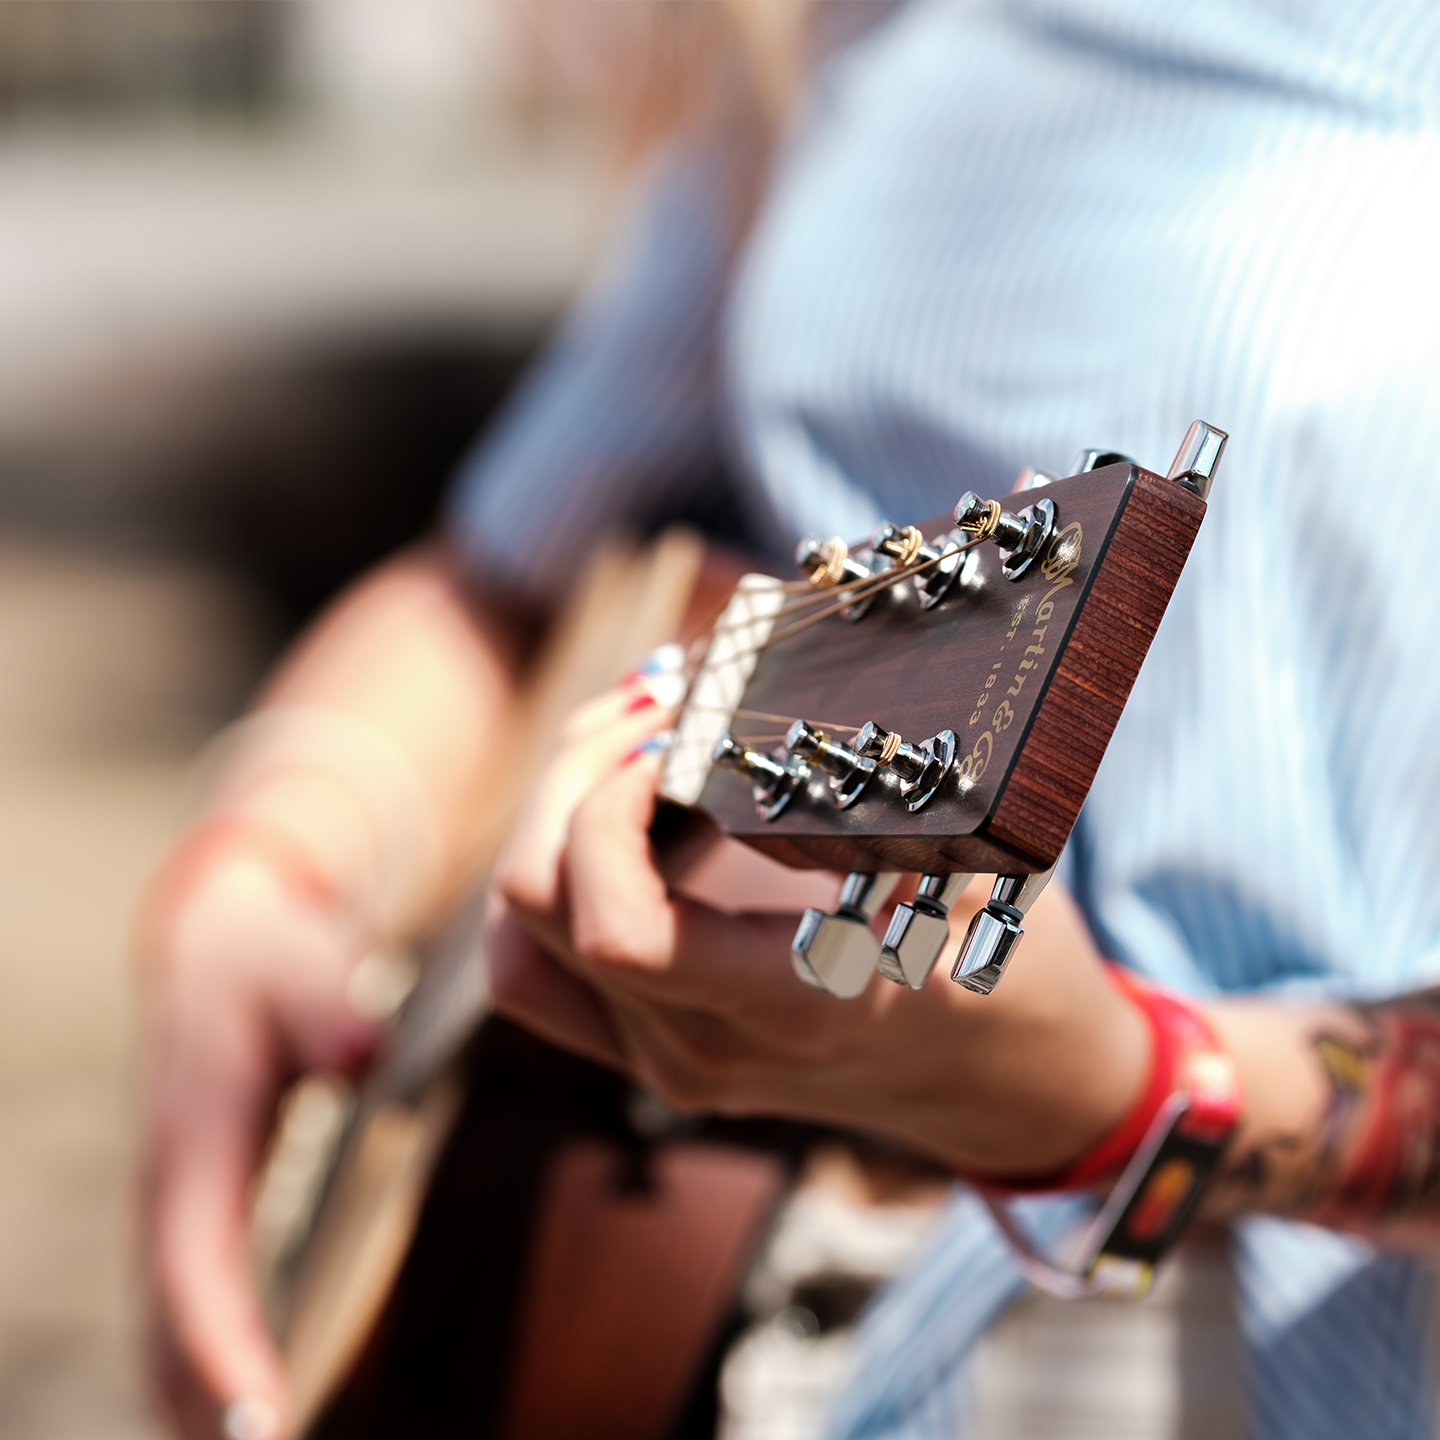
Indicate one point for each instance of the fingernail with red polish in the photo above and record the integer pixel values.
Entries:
(657, 744)
(661, 675)
(641, 702)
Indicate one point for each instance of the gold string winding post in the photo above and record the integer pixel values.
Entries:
(871, 585)
(830, 569)
(986, 527)
(904, 547)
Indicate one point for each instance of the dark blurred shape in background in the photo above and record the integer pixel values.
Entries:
(271, 266)
(109, 55)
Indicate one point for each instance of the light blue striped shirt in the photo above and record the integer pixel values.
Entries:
(1000, 231)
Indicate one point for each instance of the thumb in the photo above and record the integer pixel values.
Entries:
(203, 1155)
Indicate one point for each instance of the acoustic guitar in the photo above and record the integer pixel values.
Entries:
(934, 701)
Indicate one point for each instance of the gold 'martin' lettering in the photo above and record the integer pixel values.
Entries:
(1058, 568)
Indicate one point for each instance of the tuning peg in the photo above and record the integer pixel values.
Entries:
(1020, 537)
(918, 931)
(838, 952)
(996, 930)
(849, 773)
(827, 563)
(1032, 479)
(922, 768)
(906, 546)
(772, 784)
(1097, 459)
(1198, 457)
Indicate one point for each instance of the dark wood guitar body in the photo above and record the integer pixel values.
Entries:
(570, 1277)
(1030, 674)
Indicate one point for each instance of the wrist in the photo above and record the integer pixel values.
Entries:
(1183, 1053)
(1158, 1163)
(1064, 1055)
(346, 796)
(222, 844)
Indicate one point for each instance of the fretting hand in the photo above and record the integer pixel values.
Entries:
(702, 1006)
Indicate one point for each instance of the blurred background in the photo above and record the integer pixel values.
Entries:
(265, 269)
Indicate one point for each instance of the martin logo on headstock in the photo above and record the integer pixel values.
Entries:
(937, 704)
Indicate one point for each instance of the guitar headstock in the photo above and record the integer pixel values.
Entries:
(939, 700)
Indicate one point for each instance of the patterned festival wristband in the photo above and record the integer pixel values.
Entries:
(1169, 1145)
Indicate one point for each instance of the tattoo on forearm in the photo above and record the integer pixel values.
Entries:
(1374, 1164)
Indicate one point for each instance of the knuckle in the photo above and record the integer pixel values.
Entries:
(618, 944)
(523, 889)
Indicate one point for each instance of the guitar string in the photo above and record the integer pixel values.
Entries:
(766, 715)
(696, 651)
(852, 593)
(891, 577)
(811, 595)
(697, 660)
(789, 719)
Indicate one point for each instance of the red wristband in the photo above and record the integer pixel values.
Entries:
(1185, 1056)
(1165, 1152)
(226, 836)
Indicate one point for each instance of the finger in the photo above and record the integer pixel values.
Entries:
(620, 915)
(628, 936)
(209, 1117)
(528, 873)
(532, 988)
(657, 681)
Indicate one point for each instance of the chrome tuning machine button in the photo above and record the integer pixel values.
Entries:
(996, 930)
(1020, 537)
(828, 563)
(772, 784)
(922, 768)
(1095, 457)
(1033, 478)
(838, 952)
(944, 559)
(849, 773)
(1198, 458)
(919, 931)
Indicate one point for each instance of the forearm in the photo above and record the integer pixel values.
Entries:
(369, 747)
(1342, 1120)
